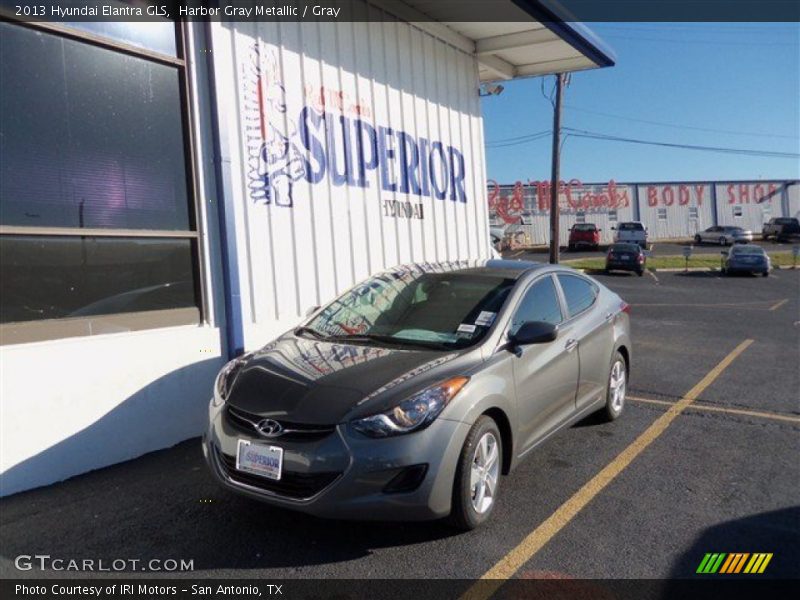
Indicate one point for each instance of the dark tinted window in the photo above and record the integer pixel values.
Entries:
(631, 227)
(585, 227)
(579, 293)
(58, 277)
(626, 248)
(540, 303)
(88, 137)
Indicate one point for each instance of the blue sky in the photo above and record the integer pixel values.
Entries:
(734, 78)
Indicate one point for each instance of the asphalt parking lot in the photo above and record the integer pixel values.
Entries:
(703, 460)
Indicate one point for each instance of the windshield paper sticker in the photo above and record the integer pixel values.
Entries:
(466, 328)
(485, 319)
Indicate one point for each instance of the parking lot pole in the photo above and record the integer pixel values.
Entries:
(555, 176)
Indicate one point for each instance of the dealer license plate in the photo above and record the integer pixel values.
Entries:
(258, 459)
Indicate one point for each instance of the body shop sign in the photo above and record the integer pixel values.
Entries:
(333, 140)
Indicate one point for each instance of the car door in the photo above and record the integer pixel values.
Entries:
(545, 375)
(591, 325)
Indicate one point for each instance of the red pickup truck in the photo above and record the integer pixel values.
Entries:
(584, 234)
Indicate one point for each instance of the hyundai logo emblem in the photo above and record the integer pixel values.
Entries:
(269, 428)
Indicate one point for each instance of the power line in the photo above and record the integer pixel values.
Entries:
(519, 139)
(742, 151)
(676, 126)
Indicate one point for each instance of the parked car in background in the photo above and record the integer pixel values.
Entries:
(626, 257)
(631, 231)
(783, 229)
(409, 396)
(747, 258)
(497, 236)
(724, 235)
(584, 234)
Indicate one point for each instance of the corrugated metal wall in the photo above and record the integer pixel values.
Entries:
(316, 119)
(528, 205)
(677, 210)
(668, 210)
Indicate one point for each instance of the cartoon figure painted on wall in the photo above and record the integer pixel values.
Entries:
(274, 159)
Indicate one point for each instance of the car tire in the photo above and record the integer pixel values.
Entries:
(469, 511)
(698, 240)
(765, 274)
(615, 397)
(640, 273)
(571, 247)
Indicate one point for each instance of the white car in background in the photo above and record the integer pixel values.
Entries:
(632, 232)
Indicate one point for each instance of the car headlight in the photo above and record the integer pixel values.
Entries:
(412, 414)
(225, 379)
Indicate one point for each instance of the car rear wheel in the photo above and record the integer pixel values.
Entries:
(723, 241)
(477, 475)
(698, 240)
(616, 388)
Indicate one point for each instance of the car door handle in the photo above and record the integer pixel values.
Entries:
(610, 317)
(571, 345)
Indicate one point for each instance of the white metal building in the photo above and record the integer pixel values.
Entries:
(676, 210)
(171, 195)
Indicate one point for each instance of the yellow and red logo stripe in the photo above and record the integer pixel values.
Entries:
(734, 562)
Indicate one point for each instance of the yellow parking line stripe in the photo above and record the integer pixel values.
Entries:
(734, 411)
(777, 305)
(507, 566)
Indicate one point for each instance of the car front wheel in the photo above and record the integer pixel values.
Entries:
(477, 475)
(616, 388)
(698, 240)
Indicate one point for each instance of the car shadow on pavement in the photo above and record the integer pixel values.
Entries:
(776, 532)
(167, 505)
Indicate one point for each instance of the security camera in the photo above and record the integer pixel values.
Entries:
(491, 89)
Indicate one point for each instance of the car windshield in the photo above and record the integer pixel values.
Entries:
(434, 310)
(625, 248)
(585, 227)
(631, 227)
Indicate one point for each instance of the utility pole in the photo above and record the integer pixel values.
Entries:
(555, 175)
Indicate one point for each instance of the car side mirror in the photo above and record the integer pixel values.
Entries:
(312, 310)
(534, 332)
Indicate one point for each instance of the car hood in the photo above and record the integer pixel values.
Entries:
(315, 382)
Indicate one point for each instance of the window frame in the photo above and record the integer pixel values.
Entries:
(55, 329)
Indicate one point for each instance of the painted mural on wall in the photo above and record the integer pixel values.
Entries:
(333, 138)
(512, 205)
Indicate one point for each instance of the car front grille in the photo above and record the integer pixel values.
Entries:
(292, 432)
(297, 486)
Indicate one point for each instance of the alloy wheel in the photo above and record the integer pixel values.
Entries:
(617, 386)
(484, 473)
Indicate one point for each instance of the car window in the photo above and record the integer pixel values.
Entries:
(631, 227)
(540, 303)
(579, 293)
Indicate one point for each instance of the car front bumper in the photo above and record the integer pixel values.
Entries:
(344, 474)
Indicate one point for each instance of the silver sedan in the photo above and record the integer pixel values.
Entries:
(410, 395)
(724, 235)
